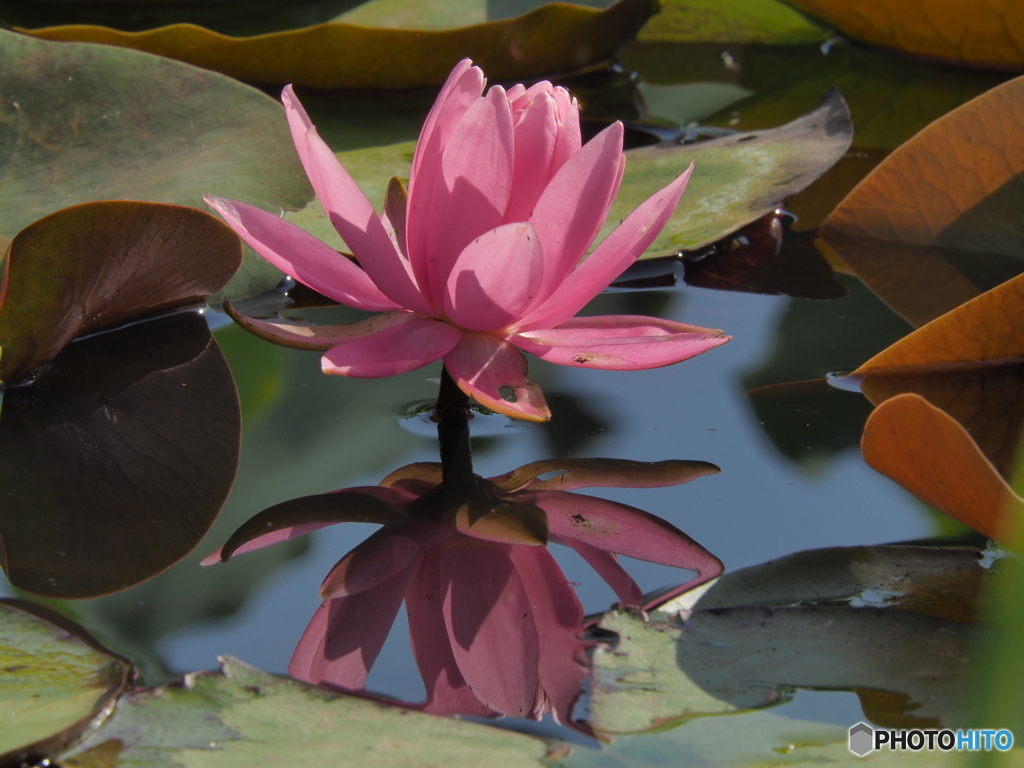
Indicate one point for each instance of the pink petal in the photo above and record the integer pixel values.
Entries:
(297, 253)
(490, 624)
(447, 691)
(484, 365)
(351, 213)
(575, 204)
(569, 138)
(395, 344)
(382, 556)
(536, 135)
(463, 87)
(469, 193)
(558, 615)
(619, 342)
(495, 278)
(345, 635)
(622, 247)
(625, 530)
(606, 565)
(303, 335)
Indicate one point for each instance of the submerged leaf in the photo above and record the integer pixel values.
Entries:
(56, 681)
(931, 455)
(117, 458)
(554, 38)
(96, 265)
(980, 32)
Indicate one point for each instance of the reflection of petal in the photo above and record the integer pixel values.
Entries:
(624, 530)
(345, 635)
(483, 365)
(295, 517)
(382, 556)
(619, 342)
(447, 691)
(557, 614)
(570, 474)
(490, 624)
(405, 342)
(606, 565)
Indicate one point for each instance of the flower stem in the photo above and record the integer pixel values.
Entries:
(452, 416)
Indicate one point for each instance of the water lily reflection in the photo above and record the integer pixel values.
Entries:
(495, 625)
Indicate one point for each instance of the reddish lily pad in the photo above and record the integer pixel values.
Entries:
(554, 38)
(96, 265)
(117, 458)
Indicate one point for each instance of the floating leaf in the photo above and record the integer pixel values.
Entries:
(989, 404)
(957, 183)
(731, 21)
(56, 681)
(931, 455)
(232, 17)
(116, 459)
(738, 179)
(96, 265)
(979, 32)
(982, 333)
(88, 122)
(244, 717)
(955, 188)
(554, 38)
(758, 632)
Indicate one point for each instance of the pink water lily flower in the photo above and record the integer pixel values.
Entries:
(496, 628)
(483, 258)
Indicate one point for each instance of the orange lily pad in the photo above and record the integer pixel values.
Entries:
(930, 454)
(553, 38)
(938, 221)
(980, 32)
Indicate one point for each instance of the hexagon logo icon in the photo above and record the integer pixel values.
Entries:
(862, 739)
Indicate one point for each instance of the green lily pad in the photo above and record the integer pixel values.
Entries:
(97, 265)
(737, 178)
(556, 37)
(890, 619)
(55, 682)
(91, 122)
(244, 717)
